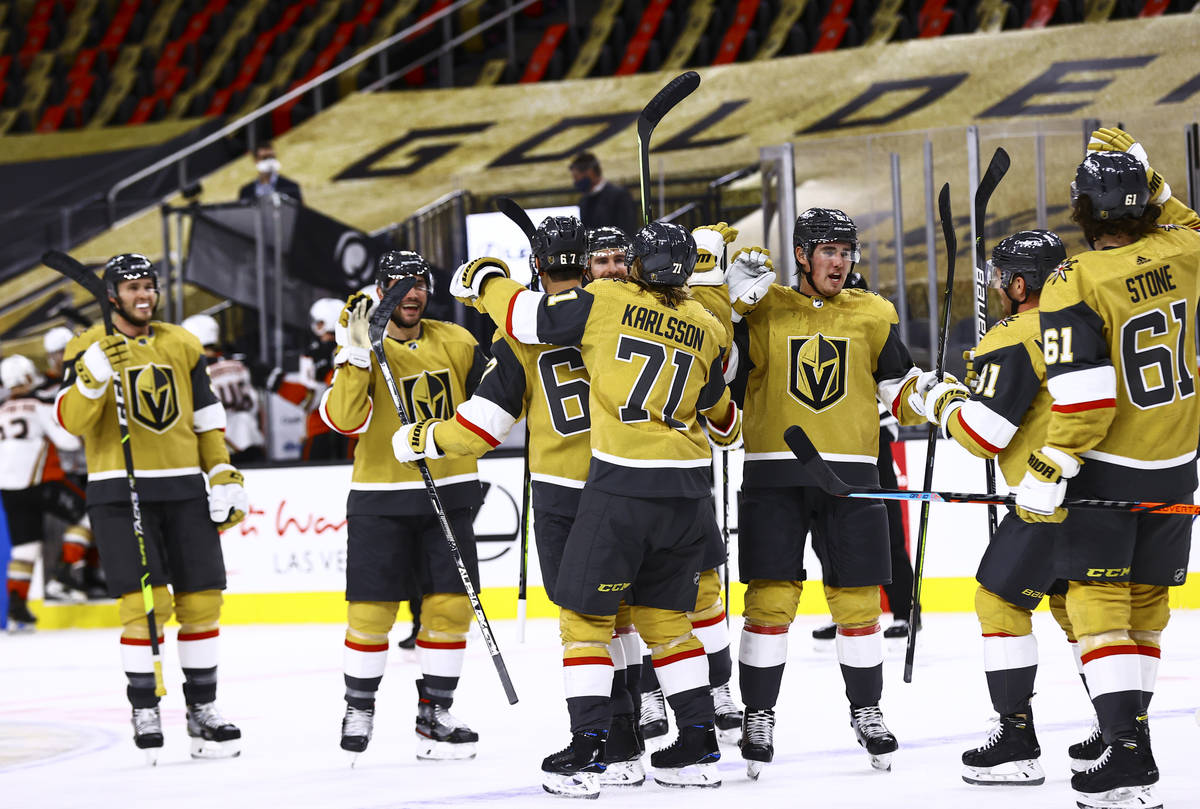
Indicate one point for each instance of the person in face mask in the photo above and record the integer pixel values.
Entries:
(603, 204)
(269, 180)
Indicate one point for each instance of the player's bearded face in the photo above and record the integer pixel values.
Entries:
(412, 305)
(830, 265)
(608, 264)
(137, 299)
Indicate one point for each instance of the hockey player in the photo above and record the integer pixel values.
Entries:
(175, 434)
(819, 356)
(32, 486)
(396, 549)
(231, 381)
(606, 253)
(644, 510)
(1124, 425)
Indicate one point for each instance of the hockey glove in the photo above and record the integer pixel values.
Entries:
(468, 280)
(95, 366)
(710, 245)
(924, 384)
(729, 435)
(415, 441)
(1040, 495)
(227, 500)
(1118, 140)
(352, 332)
(943, 399)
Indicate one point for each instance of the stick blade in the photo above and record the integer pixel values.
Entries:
(510, 208)
(804, 450)
(383, 312)
(676, 90)
(76, 271)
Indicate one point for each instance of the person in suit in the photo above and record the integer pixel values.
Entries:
(269, 180)
(603, 204)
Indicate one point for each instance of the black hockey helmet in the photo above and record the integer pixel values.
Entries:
(560, 245)
(127, 267)
(1116, 184)
(400, 263)
(823, 225)
(855, 280)
(666, 253)
(606, 238)
(1031, 254)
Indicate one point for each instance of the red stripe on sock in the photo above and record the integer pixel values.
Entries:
(998, 635)
(433, 644)
(138, 641)
(716, 619)
(212, 633)
(858, 631)
(364, 647)
(675, 658)
(625, 630)
(767, 630)
(1149, 651)
(587, 661)
(1105, 651)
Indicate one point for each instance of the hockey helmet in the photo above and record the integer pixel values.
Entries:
(560, 245)
(399, 263)
(17, 370)
(606, 238)
(127, 267)
(822, 226)
(1116, 184)
(324, 314)
(666, 252)
(204, 328)
(56, 339)
(1031, 254)
(855, 280)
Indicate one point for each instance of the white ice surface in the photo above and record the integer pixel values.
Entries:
(65, 734)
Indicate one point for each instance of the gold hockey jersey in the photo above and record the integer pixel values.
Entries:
(1121, 363)
(433, 373)
(169, 402)
(1009, 408)
(821, 363)
(653, 368)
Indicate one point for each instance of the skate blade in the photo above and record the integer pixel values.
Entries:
(21, 629)
(755, 769)
(1120, 798)
(730, 736)
(1027, 772)
(1081, 764)
(429, 750)
(351, 757)
(151, 755)
(623, 774)
(572, 785)
(203, 748)
(694, 775)
(882, 762)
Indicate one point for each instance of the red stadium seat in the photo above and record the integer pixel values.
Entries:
(539, 62)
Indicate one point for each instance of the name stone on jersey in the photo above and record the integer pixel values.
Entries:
(155, 397)
(817, 369)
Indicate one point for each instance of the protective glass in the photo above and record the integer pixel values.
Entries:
(834, 250)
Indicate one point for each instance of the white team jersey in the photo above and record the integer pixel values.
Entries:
(27, 426)
(243, 406)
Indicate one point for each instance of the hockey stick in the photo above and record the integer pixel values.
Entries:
(725, 480)
(75, 271)
(516, 213)
(376, 331)
(997, 168)
(828, 481)
(663, 102)
(910, 649)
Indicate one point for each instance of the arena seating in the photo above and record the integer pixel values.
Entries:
(69, 64)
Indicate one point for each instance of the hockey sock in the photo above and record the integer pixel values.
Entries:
(683, 676)
(588, 684)
(198, 659)
(1010, 664)
(441, 657)
(632, 646)
(710, 628)
(20, 568)
(622, 701)
(1149, 653)
(860, 653)
(1114, 675)
(363, 663)
(75, 543)
(761, 656)
(139, 671)
(1078, 655)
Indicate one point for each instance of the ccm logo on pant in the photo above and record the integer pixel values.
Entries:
(613, 588)
(1107, 572)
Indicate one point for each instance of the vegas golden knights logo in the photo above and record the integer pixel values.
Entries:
(153, 397)
(429, 396)
(817, 375)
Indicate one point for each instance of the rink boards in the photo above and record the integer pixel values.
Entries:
(286, 561)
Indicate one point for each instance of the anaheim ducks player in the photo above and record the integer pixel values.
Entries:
(390, 520)
(175, 432)
(1121, 365)
(233, 386)
(819, 356)
(644, 512)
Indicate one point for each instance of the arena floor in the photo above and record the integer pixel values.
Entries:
(65, 735)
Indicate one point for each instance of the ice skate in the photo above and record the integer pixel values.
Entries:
(213, 736)
(357, 725)
(66, 587)
(822, 636)
(1009, 756)
(1121, 778)
(442, 736)
(20, 619)
(1084, 754)
(653, 720)
(689, 761)
(898, 629)
(729, 716)
(758, 741)
(873, 735)
(622, 755)
(574, 771)
(147, 732)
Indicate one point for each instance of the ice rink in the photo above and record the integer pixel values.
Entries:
(65, 738)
